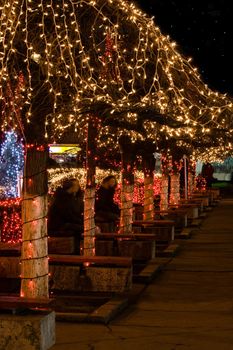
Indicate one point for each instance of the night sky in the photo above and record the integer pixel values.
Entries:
(203, 30)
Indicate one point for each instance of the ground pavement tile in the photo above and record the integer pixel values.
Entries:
(188, 307)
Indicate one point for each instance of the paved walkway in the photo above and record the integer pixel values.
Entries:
(190, 305)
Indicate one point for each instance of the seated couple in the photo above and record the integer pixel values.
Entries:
(65, 216)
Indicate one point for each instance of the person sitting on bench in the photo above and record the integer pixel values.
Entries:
(65, 216)
(107, 211)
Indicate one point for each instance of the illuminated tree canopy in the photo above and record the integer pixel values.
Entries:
(105, 58)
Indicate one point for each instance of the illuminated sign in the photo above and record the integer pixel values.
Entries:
(63, 149)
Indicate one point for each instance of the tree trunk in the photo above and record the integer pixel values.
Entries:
(190, 183)
(148, 208)
(164, 192)
(34, 255)
(89, 200)
(127, 188)
(175, 189)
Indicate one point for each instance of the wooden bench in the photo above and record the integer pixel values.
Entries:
(128, 236)
(90, 274)
(157, 223)
(192, 208)
(89, 260)
(19, 303)
(10, 249)
(178, 211)
(214, 192)
(179, 216)
(137, 246)
(163, 229)
(199, 202)
(204, 197)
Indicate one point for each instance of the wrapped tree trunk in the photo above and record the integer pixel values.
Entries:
(186, 182)
(127, 189)
(165, 167)
(175, 189)
(89, 198)
(176, 166)
(191, 177)
(148, 208)
(164, 192)
(34, 255)
(190, 183)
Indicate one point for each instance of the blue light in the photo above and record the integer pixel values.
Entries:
(11, 164)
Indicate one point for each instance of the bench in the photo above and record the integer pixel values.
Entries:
(199, 202)
(179, 216)
(19, 303)
(215, 192)
(163, 229)
(192, 209)
(30, 330)
(137, 246)
(157, 223)
(204, 197)
(10, 249)
(89, 260)
(128, 236)
(90, 274)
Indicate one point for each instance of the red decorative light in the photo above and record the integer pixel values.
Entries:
(200, 183)
(40, 148)
(10, 220)
(138, 196)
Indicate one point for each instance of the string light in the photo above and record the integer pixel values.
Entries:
(10, 220)
(100, 67)
(58, 175)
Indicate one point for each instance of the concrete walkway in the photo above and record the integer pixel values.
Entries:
(190, 305)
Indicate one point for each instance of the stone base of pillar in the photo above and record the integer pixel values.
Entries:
(108, 279)
(27, 332)
(137, 250)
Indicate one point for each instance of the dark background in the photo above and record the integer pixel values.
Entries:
(203, 30)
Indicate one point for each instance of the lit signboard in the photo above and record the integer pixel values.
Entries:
(63, 149)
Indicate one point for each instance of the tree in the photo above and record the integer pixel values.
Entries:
(11, 164)
(83, 60)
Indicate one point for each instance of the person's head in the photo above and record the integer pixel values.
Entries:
(109, 182)
(71, 186)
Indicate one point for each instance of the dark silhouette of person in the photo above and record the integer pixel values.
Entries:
(207, 173)
(107, 212)
(65, 216)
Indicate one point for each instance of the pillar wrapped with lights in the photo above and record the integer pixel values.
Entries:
(149, 167)
(165, 167)
(34, 253)
(175, 189)
(191, 179)
(127, 187)
(175, 180)
(164, 192)
(89, 199)
(148, 208)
